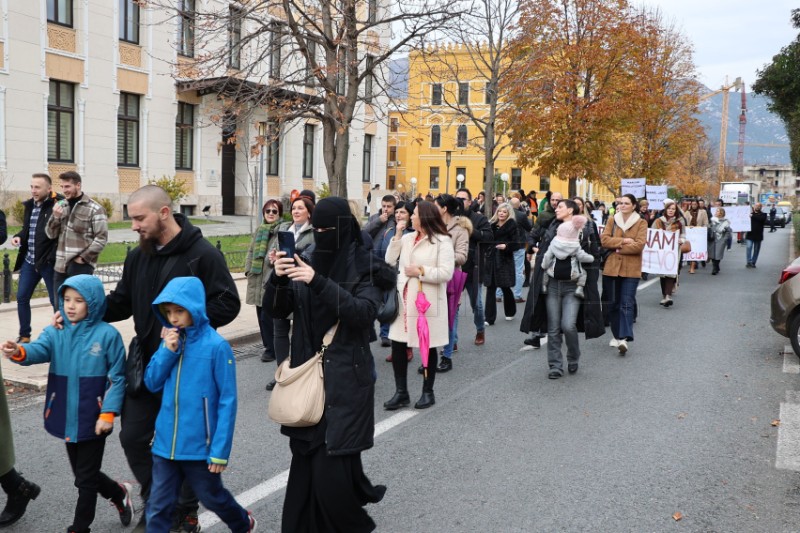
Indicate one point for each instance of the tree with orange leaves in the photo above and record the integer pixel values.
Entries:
(606, 92)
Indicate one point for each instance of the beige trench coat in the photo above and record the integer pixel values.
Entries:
(438, 260)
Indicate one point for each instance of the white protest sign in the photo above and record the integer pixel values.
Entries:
(728, 197)
(738, 215)
(698, 236)
(661, 253)
(635, 186)
(656, 194)
(597, 215)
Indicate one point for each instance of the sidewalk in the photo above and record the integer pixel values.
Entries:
(244, 329)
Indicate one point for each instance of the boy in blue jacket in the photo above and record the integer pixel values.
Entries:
(85, 388)
(196, 370)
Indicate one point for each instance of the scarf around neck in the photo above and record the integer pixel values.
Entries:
(263, 234)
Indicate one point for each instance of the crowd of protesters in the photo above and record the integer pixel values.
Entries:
(581, 271)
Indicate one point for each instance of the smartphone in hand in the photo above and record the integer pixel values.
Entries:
(286, 243)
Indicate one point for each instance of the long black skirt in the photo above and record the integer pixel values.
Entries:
(327, 493)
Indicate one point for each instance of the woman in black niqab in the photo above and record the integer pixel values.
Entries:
(327, 488)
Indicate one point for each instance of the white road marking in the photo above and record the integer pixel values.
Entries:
(787, 457)
(276, 483)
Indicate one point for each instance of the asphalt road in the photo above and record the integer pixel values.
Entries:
(682, 424)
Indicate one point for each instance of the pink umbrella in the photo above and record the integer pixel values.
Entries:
(422, 328)
(454, 289)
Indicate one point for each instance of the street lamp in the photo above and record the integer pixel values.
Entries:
(262, 132)
(413, 188)
(460, 179)
(448, 157)
(504, 177)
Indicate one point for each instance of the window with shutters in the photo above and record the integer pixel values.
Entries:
(128, 130)
(61, 122)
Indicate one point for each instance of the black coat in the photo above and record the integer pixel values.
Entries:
(135, 292)
(348, 421)
(757, 223)
(499, 268)
(590, 313)
(3, 228)
(481, 234)
(45, 247)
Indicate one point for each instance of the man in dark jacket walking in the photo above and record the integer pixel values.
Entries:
(37, 252)
(773, 213)
(524, 227)
(481, 233)
(753, 238)
(169, 247)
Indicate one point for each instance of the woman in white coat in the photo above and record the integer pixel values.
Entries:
(426, 262)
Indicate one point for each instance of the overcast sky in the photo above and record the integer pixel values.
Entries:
(731, 37)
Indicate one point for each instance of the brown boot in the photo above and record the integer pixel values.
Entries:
(480, 338)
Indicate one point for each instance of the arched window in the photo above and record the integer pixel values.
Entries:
(461, 141)
(436, 136)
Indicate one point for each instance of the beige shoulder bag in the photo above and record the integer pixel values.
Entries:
(298, 399)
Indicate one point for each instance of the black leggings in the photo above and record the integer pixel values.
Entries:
(400, 364)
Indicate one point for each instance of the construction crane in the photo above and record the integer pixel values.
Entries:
(742, 124)
(723, 133)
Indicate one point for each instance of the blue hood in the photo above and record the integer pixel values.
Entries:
(189, 293)
(91, 288)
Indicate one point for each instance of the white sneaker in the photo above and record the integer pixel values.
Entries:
(664, 300)
(253, 523)
(613, 343)
(509, 318)
(622, 346)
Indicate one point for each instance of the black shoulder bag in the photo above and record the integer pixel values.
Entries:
(134, 364)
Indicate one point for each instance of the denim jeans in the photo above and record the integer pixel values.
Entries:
(447, 351)
(29, 278)
(623, 305)
(475, 293)
(562, 318)
(753, 248)
(519, 269)
(167, 479)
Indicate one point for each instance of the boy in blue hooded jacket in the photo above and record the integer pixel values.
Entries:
(196, 370)
(85, 388)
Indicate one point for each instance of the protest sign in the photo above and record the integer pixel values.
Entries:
(738, 215)
(597, 215)
(635, 186)
(661, 253)
(729, 197)
(656, 194)
(698, 236)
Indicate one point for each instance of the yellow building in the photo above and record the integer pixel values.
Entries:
(431, 145)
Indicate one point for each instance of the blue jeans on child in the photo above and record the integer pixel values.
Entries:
(167, 479)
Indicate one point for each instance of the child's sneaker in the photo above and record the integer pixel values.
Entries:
(125, 505)
(185, 523)
(253, 522)
(579, 293)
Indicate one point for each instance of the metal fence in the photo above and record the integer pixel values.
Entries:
(107, 272)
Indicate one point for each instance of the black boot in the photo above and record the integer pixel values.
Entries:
(428, 399)
(715, 271)
(18, 502)
(400, 398)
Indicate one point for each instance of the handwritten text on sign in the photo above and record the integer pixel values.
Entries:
(698, 237)
(661, 252)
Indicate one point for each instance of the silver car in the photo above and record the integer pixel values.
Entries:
(785, 312)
